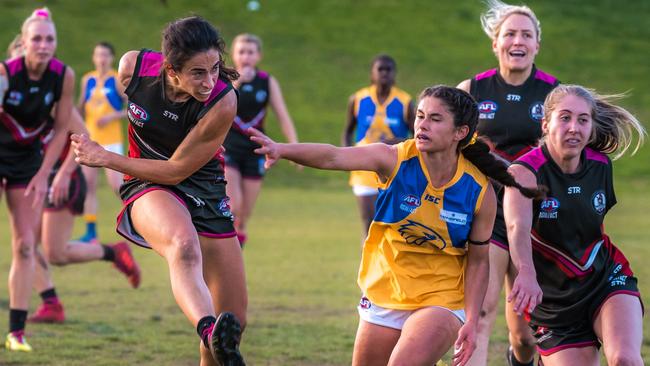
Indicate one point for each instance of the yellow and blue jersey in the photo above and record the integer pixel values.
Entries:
(377, 122)
(101, 98)
(415, 252)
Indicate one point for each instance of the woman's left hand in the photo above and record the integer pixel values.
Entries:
(465, 344)
(88, 152)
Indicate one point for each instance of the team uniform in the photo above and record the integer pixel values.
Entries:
(156, 128)
(251, 112)
(76, 192)
(100, 99)
(26, 119)
(415, 253)
(577, 266)
(377, 122)
(510, 116)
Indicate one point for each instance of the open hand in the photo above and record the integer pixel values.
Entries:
(268, 148)
(88, 152)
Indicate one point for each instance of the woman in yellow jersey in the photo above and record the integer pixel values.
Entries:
(378, 113)
(102, 103)
(424, 267)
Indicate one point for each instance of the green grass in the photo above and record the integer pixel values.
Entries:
(303, 253)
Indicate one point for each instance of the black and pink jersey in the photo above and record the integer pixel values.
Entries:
(510, 116)
(573, 257)
(251, 112)
(28, 106)
(157, 126)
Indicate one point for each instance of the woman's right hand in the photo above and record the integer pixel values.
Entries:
(268, 147)
(88, 152)
(525, 292)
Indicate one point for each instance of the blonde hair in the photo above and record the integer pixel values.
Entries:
(613, 125)
(499, 11)
(41, 14)
(247, 37)
(15, 45)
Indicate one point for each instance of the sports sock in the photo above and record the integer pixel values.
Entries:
(515, 362)
(91, 225)
(49, 296)
(204, 328)
(17, 319)
(109, 253)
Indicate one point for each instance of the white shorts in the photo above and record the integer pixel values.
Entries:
(392, 318)
(364, 191)
(115, 148)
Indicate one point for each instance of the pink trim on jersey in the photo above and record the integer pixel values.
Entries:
(596, 155)
(485, 74)
(263, 74)
(20, 134)
(15, 65)
(550, 351)
(535, 158)
(150, 64)
(219, 236)
(221, 85)
(547, 78)
(56, 66)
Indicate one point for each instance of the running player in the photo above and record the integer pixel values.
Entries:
(425, 263)
(102, 104)
(379, 113)
(181, 106)
(257, 89)
(66, 200)
(510, 99)
(559, 246)
(30, 87)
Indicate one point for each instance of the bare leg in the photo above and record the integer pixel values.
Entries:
(620, 325)
(234, 190)
(373, 344)
(57, 229)
(114, 179)
(585, 356)
(520, 335)
(90, 204)
(250, 192)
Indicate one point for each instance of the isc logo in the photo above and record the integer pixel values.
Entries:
(430, 198)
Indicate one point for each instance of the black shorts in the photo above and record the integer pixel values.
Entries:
(249, 164)
(499, 232)
(210, 211)
(76, 195)
(16, 172)
(551, 339)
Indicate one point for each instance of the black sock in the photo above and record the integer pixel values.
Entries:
(109, 253)
(515, 362)
(204, 324)
(17, 319)
(49, 295)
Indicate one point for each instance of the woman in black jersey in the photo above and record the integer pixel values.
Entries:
(180, 107)
(510, 99)
(257, 89)
(577, 285)
(30, 87)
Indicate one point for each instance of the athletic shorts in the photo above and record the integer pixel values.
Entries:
(363, 191)
(17, 172)
(580, 334)
(76, 195)
(117, 148)
(499, 232)
(391, 318)
(249, 164)
(210, 212)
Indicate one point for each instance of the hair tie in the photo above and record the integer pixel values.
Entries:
(472, 141)
(43, 13)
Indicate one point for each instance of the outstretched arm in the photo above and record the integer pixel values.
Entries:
(476, 276)
(380, 158)
(518, 213)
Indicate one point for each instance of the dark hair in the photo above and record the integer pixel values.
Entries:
(465, 111)
(184, 38)
(106, 45)
(384, 58)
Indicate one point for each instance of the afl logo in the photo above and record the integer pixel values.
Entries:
(410, 203)
(138, 113)
(599, 202)
(364, 303)
(550, 204)
(487, 106)
(260, 96)
(537, 111)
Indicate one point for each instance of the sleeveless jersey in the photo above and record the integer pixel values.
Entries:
(571, 252)
(377, 123)
(510, 116)
(102, 98)
(157, 126)
(27, 107)
(251, 112)
(415, 253)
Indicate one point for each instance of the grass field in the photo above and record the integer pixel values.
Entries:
(303, 253)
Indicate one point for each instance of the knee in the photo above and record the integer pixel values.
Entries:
(186, 250)
(23, 249)
(520, 338)
(56, 259)
(624, 358)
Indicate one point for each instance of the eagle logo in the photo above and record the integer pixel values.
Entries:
(417, 234)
